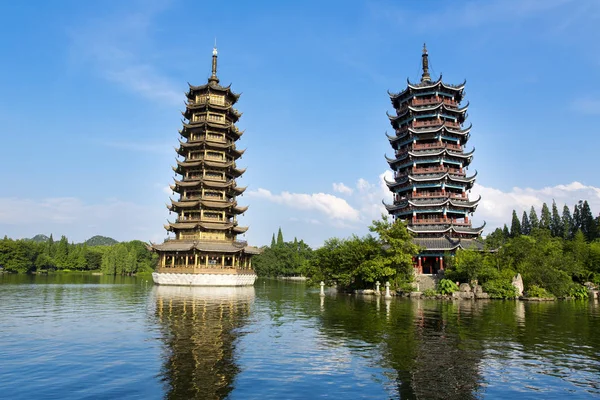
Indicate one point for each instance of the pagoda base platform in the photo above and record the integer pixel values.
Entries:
(208, 277)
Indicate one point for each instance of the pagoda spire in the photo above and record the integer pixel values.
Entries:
(425, 61)
(213, 77)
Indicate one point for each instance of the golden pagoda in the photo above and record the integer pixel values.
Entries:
(205, 250)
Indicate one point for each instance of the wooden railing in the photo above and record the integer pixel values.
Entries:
(430, 221)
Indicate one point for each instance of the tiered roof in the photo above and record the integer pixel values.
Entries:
(430, 162)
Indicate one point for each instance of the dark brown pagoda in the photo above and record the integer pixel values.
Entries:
(431, 184)
(204, 250)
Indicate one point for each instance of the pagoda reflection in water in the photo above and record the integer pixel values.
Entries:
(200, 327)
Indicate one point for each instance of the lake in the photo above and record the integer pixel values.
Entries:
(75, 336)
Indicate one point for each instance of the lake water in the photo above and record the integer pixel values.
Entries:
(75, 336)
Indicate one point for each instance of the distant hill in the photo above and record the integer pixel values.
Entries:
(100, 241)
(40, 238)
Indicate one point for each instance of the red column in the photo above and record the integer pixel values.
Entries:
(420, 266)
(441, 263)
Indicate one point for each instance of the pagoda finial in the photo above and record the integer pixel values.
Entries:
(213, 77)
(425, 60)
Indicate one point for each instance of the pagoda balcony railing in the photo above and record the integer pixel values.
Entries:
(425, 101)
(436, 145)
(438, 193)
(430, 221)
(435, 122)
(205, 219)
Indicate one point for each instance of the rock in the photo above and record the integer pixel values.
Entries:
(467, 295)
(465, 287)
(593, 294)
(415, 295)
(456, 295)
(517, 282)
(481, 295)
(478, 289)
(589, 285)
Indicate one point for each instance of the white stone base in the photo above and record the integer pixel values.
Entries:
(203, 279)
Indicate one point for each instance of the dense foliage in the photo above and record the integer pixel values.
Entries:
(357, 262)
(26, 256)
(282, 258)
(554, 254)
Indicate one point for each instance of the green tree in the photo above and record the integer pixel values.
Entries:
(525, 224)
(279, 237)
(61, 257)
(556, 227)
(545, 217)
(533, 219)
(273, 241)
(567, 223)
(505, 231)
(515, 226)
(588, 224)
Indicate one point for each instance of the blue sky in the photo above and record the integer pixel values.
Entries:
(91, 94)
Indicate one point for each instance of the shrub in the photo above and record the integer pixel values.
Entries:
(536, 291)
(406, 287)
(446, 286)
(429, 293)
(500, 289)
(578, 292)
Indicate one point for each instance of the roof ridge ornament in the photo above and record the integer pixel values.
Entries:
(425, 62)
(213, 77)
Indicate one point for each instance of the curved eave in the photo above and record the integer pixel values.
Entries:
(467, 204)
(443, 230)
(462, 180)
(240, 210)
(392, 161)
(460, 154)
(477, 231)
(239, 190)
(240, 229)
(213, 86)
(395, 183)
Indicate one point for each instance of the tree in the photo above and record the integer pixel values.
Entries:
(525, 224)
(515, 226)
(505, 231)
(556, 227)
(545, 217)
(588, 224)
(62, 253)
(273, 241)
(576, 217)
(533, 219)
(567, 223)
(279, 237)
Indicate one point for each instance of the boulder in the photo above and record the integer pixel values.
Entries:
(465, 287)
(517, 282)
(593, 294)
(589, 285)
(415, 295)
(456, 295)
(482, 295)
(467, 295)
(478, 289)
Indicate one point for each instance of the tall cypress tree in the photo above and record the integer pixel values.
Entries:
(525, 224)
(545, 217)
(273, 241)
(505, 231)
(556, 227)
(279, 237)
(577, 217)
(515, 226)
(533, 219)
(567, 223)
(588, 225)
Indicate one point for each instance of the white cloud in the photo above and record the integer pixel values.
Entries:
(122, 220)
(341, 188)
(333, 207)
(496, 206)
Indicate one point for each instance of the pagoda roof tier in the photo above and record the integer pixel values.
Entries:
(210, 145)
(206, 204)
(240, 229)
(206, 246)
(199, 163)
(448, 243)
(445, 228)
(430, 119)
(411, 134)
(227, 128)
(456, 90)
(234, 172)
(435, 202)
(191, 183)
(441, 105)
(213, 86)
(201, 225)
(429, 153)
(430, 178)
(231, 112)
(430, 129)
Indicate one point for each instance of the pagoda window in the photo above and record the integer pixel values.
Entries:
(219, 176)
(214, 194)
(201, 98)
(213, 215)
(217, 137)
(218, 99)
(215, 155)
(216, 117)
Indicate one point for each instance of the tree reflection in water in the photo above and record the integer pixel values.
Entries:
(200, 328)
